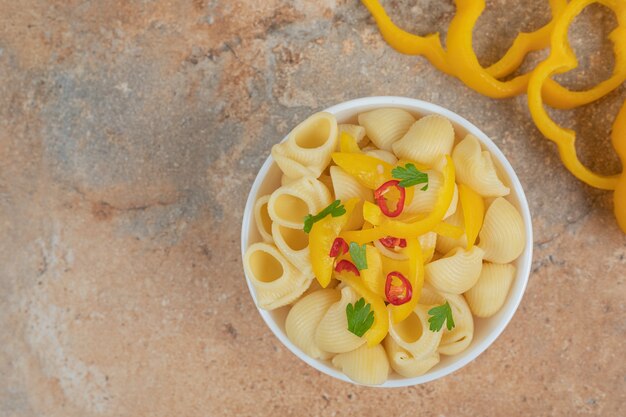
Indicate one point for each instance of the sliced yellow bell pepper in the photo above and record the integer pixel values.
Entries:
(372, 276)
(415, 276)
(448, 230)
(380, 327)
(347, 144)
(618, 138)
(473, 207)
(562, 59)
(369, 171)
(321, 238)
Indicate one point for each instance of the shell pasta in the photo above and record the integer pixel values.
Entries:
(363, 246)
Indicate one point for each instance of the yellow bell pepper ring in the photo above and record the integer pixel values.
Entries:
(380, 327)
(408, 43)
(618, 138)
(369, 171)
(562, 59)
(321, 238)
(348, 144)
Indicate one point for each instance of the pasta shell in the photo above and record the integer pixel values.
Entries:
(448, 244)
(502, 236)
(475, 168)
(406, 364)
(276, 281)
(386, 126)
(426, 140)
(290, 167)
(487, 297)
(383, 155)
(289, 204)
(424, 201)
(459, 338)
(365, 365)
(457, 272)
(430, 296)
(332, 334)
(294, 244)
(309, 145)
(389, 253)
(262, 218)
(304, 317)
(284, 180)
(413, 334)
(356, 131)
(347, 187)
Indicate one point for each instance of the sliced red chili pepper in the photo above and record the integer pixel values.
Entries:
(393, 242)
(379, 195)
(345, 265)
(339, 247)
(398, 294)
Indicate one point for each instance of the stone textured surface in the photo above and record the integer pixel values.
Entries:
(130, 133)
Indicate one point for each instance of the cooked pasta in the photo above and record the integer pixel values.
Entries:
(332, 333)
(365, 365)
(456, 272)
(475, 168)
(309, 145)
(424, 201)
(427, 140)
(386, 126)
(294, 245)
(502, 235)
(262, 219)
(276, 281)
(356, 131)
(395, 292)
(412, 333)
(305, 316)
(290, 203)
(406, 364)
(458, 339)
(487, 296)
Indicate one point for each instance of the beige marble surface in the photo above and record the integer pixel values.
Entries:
(130, 133)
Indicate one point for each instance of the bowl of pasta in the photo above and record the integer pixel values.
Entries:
(386, 241)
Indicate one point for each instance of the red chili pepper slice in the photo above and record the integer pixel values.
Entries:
(398, 294)
(339, 247)
(345, 265)
(393, 242)
(379, 195)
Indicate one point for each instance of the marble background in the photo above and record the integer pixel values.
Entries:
(130, 133)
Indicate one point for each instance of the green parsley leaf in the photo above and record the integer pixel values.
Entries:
(335, 209)
(410, 176)
(358, 254)
(360, 318)
(439, 315)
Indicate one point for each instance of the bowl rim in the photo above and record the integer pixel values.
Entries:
(524, 267)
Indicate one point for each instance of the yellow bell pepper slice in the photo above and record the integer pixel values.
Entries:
(448, 230)
(372, 276)
(473, 207)
(347, 144)
(369, 171)
(562, 59)
(618, 138)
(380, 327)
(415, 276)
(321, 238)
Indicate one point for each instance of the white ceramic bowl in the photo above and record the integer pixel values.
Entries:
(485, 330)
